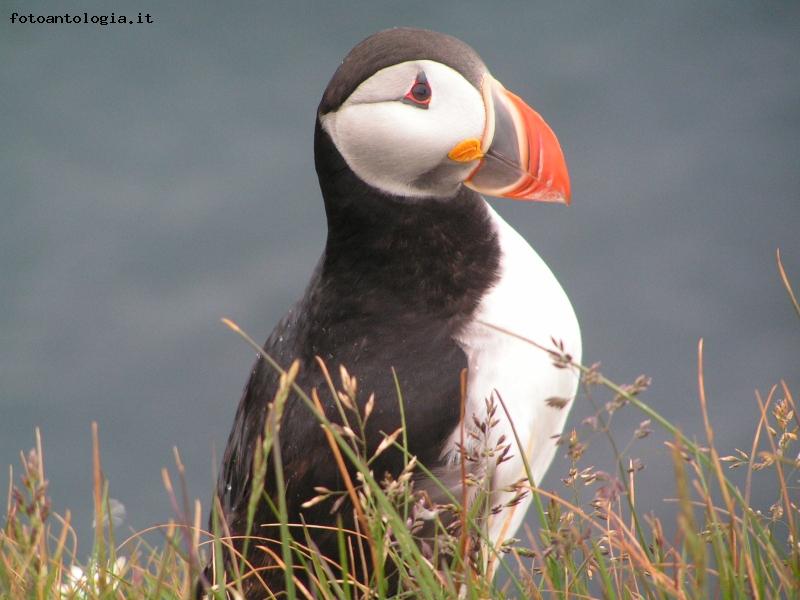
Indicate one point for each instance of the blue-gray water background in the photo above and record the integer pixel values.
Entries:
(155, 178)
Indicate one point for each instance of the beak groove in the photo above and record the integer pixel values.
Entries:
(522, 157)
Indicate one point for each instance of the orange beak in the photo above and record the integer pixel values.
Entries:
(520, 156)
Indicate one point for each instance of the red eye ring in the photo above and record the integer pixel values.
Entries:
(420, 93)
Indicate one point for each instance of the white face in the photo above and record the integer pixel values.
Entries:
(399, 147)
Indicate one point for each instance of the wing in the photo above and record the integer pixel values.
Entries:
(427, 361)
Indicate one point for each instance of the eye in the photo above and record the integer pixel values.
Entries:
(420, 93)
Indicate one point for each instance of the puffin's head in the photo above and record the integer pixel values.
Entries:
(416, 113)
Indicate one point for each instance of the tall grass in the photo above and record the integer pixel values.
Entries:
(590, 539)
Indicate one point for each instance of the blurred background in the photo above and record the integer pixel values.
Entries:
(157, 177)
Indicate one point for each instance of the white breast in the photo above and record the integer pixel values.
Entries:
(528, 300)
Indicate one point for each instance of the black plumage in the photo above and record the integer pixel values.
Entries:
(393, 46)
(396, 282)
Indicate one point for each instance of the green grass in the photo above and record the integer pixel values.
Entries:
(590, 539)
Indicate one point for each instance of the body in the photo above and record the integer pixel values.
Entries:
(418, 275)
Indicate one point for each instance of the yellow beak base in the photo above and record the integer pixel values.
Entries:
(466, 150)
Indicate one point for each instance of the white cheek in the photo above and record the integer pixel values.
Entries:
(381, 139)
(390, 144)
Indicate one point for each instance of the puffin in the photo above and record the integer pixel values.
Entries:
(420, 279)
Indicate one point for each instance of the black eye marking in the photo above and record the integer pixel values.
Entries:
(420, 93)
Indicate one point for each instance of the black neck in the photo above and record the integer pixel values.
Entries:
(438, 255)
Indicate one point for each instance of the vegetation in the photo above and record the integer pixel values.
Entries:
(590, 540)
